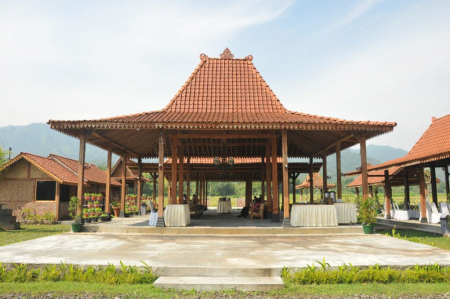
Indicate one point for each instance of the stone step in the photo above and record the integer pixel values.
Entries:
(10, 226)
(219, 283)
(216, 272)
(8, 219)
(5, 212)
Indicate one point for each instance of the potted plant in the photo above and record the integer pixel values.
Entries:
(98, 212)
(75, 214)
(90, 204)
(96, 205)
(87, 218)
(368, 215)
(94, 219)
(104, 217)
(87, 197)
(92, 212)
(93, 196)
(99, 196)
(85, 213)
(116, 208)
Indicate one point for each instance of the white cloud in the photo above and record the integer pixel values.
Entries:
(84, 59)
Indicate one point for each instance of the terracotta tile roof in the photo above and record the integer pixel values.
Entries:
(434, 145)
(225, 93)
(92, 173)
(61, 169)
(379, 180)
(318, 182)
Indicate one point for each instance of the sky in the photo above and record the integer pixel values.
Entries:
(359, 60)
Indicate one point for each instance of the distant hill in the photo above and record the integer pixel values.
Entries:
(39, 139)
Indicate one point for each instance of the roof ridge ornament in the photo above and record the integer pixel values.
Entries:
(203, 56)
(226, 54)
(249, 57)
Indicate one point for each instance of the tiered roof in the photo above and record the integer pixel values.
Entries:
(223, 93)
(61, 169)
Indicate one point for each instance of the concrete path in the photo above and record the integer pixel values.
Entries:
(221, 251)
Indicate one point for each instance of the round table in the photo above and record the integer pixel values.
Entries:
(224, 207)
(313, 215)
(177, 215)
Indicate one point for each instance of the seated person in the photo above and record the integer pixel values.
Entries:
(184, 199)
(255, 206)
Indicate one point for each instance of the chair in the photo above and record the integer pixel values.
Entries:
(153, 215)
(256, 213)
(433, 215)
(444, 209)
(401, 214)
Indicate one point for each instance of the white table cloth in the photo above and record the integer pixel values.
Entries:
(224, 207)
(345, 212)
(177, 215)
(313, 215)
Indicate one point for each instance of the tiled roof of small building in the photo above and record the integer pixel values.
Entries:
(62, 170)
(317, 182)
(432, 146)
(228, 92)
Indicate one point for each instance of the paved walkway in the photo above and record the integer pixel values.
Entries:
(221, 251)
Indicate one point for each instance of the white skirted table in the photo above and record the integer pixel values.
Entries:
(177, 215)
(224, 207)
(346, 212)
(313, 215)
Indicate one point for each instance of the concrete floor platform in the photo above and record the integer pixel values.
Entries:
(413, 224)
(216, 224)
(210, 251)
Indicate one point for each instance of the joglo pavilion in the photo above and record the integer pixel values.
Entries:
(224, 124)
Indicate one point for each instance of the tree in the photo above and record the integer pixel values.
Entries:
(3, 156)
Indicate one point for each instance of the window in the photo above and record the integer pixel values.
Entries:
(64, 195)
(45, 190)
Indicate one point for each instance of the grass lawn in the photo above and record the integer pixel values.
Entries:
(420, 237)
(149, 291)
(28, 232)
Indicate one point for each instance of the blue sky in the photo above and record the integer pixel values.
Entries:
(361, 60)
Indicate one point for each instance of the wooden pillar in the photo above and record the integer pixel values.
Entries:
(248, 192)
(188, 180)
(196, 193)
(160, 221)
(284, 153)
(357, 191)
(365, 181)
(275, 203)
(263, 195)
(311, 180)
(108, 180)
(200, 195)
(301, 195)
(407, 197)
(58, 199)
(173, 191)
(447, 184)
(181, 175)
(124, 185)
(423, 204)
(371, 191)
(293, 177)
(325, 174)
(154, 177)
(139, 183)
(339, 171)
(433, 184)
(81, 160)
(387, 195)
(268, 181)
(206, 193)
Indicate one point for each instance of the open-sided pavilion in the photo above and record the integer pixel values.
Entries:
(432, 150)
(225, 109)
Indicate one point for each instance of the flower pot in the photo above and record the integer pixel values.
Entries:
(116, 211)
(87, 198)
(90, 205)
(96, 206)
(368, 229)
(76, 227)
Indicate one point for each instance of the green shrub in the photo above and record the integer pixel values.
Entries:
(63, 272)
(348, 274)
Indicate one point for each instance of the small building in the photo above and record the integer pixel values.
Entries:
(317, 182)
(45, 184)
